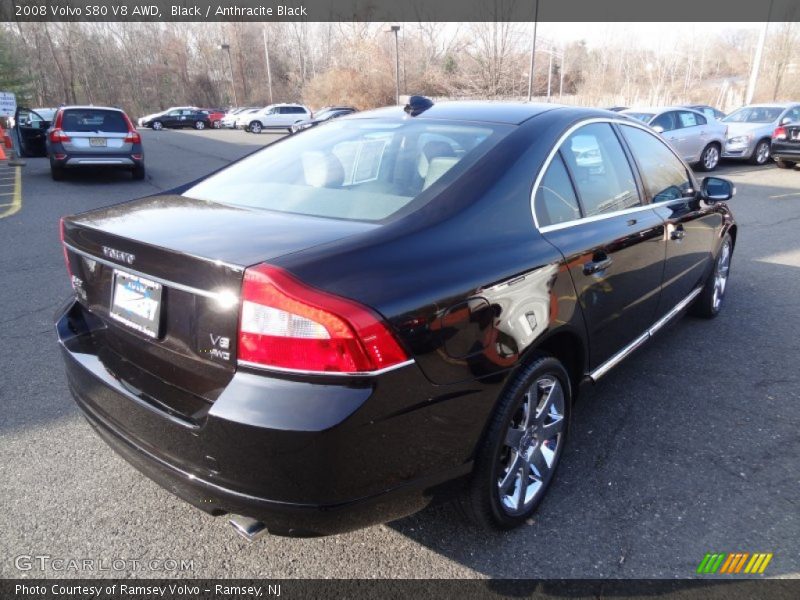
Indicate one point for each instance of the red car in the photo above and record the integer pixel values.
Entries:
(214, 116)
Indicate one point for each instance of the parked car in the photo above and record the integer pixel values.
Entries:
(697, 139)
(30, 129)
(276, 116)
(617, 108)
(322, 115)
(94, 136)
(179, 118)
(146, 120)
(709, 111)
(750, 130)
(785, 145)
(243, 118)
(229, 120)
(343, 327)
(215, 116)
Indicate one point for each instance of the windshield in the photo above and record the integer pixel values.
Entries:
(644, 117)
(754, 114)
(91, 119)
(363, 169)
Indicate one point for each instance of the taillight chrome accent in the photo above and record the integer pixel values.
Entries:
(288, 325)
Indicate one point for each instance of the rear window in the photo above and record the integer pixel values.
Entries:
(94, 120)
(365, 169)
(644, 117)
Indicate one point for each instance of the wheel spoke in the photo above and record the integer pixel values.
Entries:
(528, 408)
(554, 427)
(511, 475)
(554, 395)
(540, 465)
(522, 489)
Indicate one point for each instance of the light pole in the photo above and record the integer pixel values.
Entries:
(533, 52)
(395, 29)
(227, 48)
(266, 57)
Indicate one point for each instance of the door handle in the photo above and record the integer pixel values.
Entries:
(595, 266)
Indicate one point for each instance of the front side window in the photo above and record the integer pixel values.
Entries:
(600, 170)
(555, 200)
(754, 114)
(664, 175)
(666, 121)
(363, 169)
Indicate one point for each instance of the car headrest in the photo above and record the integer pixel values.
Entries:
(321, 169)
(431, 150)
(438, 166)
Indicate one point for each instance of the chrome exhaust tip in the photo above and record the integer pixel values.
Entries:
(248, 528)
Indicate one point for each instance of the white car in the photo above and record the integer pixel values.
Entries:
(232, 116)
(275, 116)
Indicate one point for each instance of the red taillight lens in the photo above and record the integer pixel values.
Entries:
(58, 135)
(64, 248)
(779, 133)
(287, 324)
(133, 137)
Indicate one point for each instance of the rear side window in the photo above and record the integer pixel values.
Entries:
(690, 119)
(664, 175)
(555, 200)
(93, 120)
(600, 170)
(666, 121)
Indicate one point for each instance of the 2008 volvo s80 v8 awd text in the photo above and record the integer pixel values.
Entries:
(391, 309)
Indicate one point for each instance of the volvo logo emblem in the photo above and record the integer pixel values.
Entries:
(125, 257)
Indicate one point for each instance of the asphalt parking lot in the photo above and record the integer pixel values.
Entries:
(690, 446)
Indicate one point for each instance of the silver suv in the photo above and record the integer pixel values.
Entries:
(276, 116)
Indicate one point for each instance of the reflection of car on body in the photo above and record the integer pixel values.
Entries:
(94, 136)
(695, 137)
(750, 129)
(179, 118)
(785, 148)
(275, 116)
(322, 115)
(313, 327)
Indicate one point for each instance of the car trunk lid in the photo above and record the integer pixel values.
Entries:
(163, 274)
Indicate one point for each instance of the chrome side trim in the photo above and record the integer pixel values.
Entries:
(166, 282)
(252, 365)
(557, 146)
(622, 354)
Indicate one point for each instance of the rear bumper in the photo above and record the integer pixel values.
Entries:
(305, 458)
(59, 158)
(784, 151)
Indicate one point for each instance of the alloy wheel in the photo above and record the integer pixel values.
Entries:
(255, 127)
(762, 153)
(199, 125)
(721, 274)
(532, 446)
(157, 125)
(711, 158)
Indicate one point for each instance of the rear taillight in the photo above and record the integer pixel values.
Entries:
(57, 135)
(779, 133)
(133, 136)
(64, 248)
(287, 324)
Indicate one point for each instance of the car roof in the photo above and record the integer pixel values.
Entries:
(657, 109)
(89, 107)
(512, 113)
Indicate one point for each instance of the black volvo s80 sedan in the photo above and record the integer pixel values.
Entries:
(394, 308)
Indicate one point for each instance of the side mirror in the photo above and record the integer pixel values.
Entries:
(785, 120)
(717, 189)
(658, 129)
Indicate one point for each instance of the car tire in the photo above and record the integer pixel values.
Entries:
(157, 125)
(709, 303)
(760, 154)
(255, 127)
(709, 159)
(138, 172)
(199, 125)
(511, 453)
(57, 173)
(784, 164)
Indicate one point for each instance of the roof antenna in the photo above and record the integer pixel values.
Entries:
(417, 105)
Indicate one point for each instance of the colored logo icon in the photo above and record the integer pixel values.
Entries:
(733, 563)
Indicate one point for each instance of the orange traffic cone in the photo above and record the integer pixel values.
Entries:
(4, 141)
